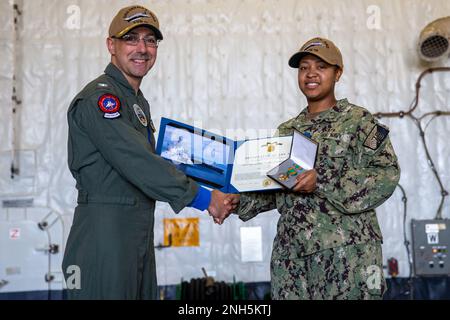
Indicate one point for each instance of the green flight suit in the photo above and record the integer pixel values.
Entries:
(357, 171)
(119, 177)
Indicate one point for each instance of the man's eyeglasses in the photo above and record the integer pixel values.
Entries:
(133, 39)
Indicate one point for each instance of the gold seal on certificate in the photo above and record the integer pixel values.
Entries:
(267, 182)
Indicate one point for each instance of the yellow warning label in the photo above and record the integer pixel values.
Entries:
(184, 232)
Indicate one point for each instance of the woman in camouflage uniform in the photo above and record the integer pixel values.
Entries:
(328, 242)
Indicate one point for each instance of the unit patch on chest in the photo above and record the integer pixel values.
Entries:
(140, 115)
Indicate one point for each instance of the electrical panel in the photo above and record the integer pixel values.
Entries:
(431, 243)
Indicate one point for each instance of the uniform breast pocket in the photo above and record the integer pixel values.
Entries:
(142, 130)
(138, 124)
(334, 151)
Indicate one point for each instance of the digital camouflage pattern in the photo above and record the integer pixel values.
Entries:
(352, 180)
(350, 272)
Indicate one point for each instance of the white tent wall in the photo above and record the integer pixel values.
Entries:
(6, 83)
(222, 65)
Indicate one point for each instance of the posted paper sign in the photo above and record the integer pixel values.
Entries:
(183, 232)
(251, 244)
(14, 233)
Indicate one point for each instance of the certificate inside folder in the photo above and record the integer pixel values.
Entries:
(302, 158)
(221, 163)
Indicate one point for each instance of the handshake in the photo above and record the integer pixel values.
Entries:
(222, 205)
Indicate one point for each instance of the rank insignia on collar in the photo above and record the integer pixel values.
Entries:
(376, 137)
(140, 115)
(110, 105)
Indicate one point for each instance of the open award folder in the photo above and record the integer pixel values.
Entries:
(302, 158)
(221, 163)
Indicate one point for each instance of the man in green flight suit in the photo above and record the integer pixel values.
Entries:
(328, 242)
(110, 251)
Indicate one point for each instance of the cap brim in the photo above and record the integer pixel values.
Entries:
(158, 33)
(294, 61)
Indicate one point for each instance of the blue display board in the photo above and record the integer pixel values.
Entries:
(202, 155)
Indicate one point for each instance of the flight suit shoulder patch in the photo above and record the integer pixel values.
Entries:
(109, 104)
(376, 137)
